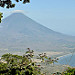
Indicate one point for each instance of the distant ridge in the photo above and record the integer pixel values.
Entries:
(19, 32)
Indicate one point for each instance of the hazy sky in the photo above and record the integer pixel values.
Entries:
(58, 15)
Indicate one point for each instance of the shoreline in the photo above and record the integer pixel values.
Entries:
(64, 55)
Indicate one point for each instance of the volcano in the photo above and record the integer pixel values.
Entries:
(19, 32)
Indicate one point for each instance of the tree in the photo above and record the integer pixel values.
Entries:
(8, 4)
(23, 65)
(46, 59)
(69, 71)
(18, 65)
(0, 17)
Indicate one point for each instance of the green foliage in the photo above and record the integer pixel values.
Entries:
(46, 59)
(18, 65)
(0, 17)
(69, 71)
(9, 4)
(23, 65)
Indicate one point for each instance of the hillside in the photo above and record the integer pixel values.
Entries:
(18, 32)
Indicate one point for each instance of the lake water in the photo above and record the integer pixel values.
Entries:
(67, 60)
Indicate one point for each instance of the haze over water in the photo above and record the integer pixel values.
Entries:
(67, 60)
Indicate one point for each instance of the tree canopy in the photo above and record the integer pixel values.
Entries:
(69, 71)
(18, 65)
(0, 17)
(23, 65)
(9, 4)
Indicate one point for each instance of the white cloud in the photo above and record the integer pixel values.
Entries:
(21, 11)
(15, 11)
(18, 11)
